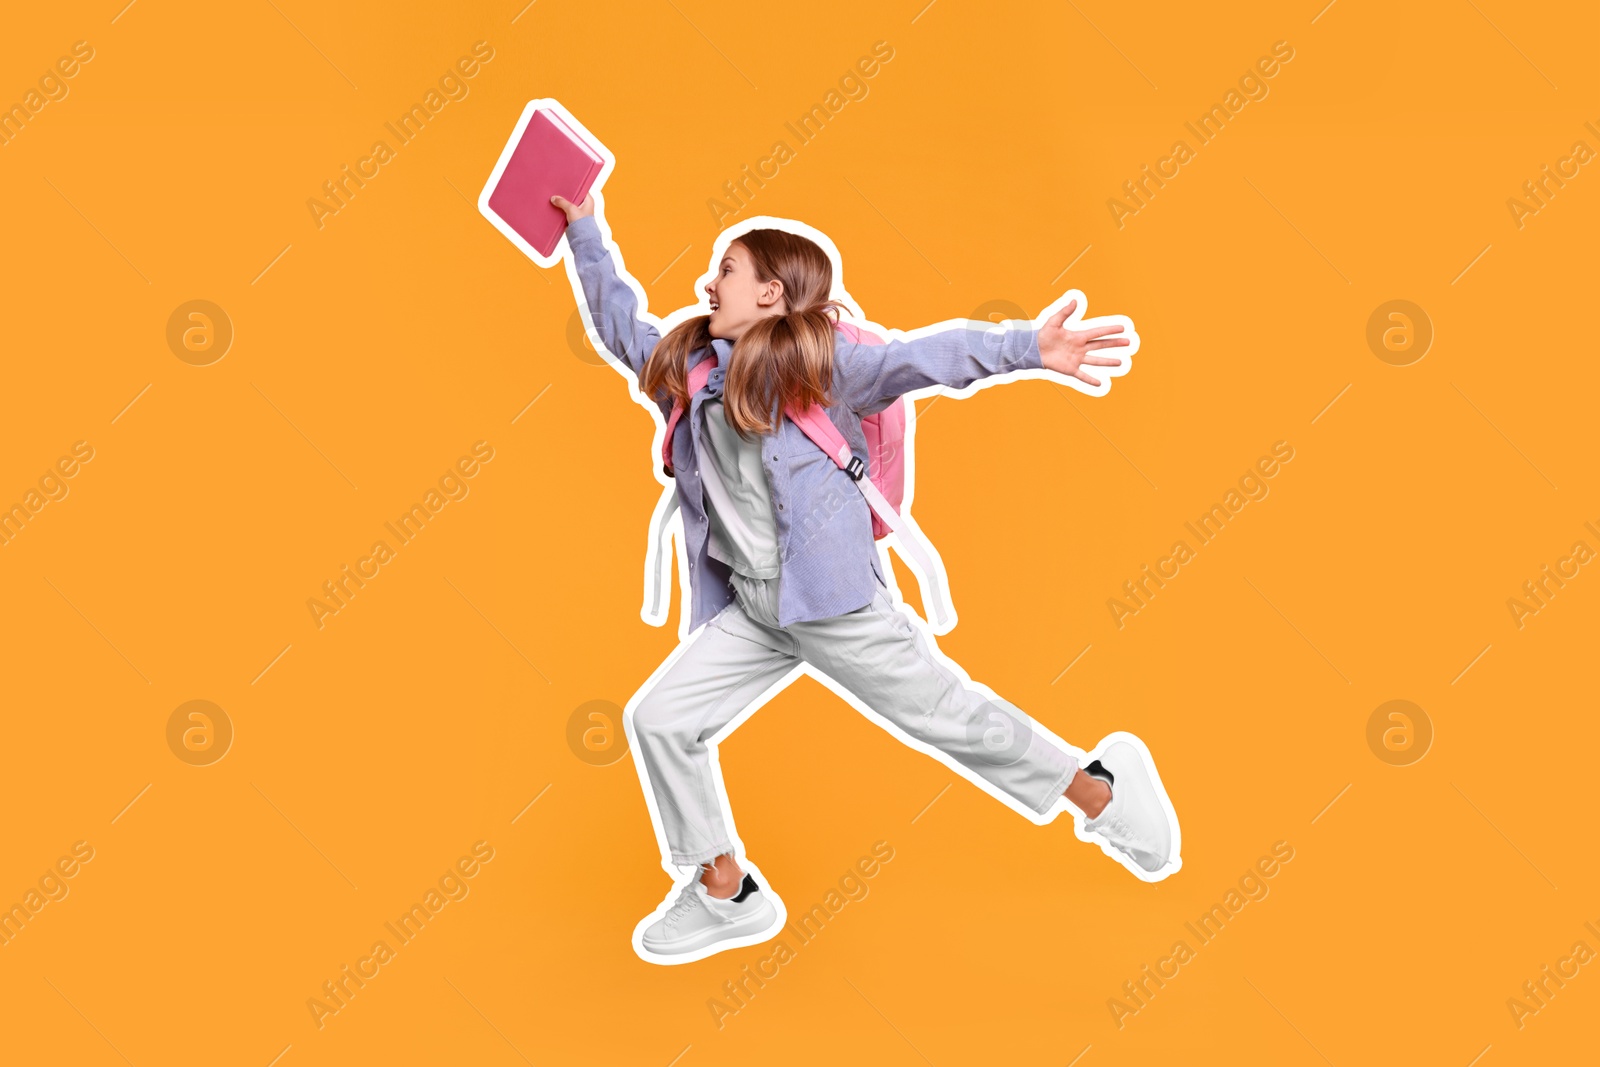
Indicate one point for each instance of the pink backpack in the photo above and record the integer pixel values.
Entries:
(881, 478)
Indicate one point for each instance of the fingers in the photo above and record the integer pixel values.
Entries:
(1117, 342)
(1065, 313)
(1085, 378)
(1099, 331)
(1102, 361)
(572, 211)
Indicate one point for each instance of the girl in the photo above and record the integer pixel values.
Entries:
(784, 574)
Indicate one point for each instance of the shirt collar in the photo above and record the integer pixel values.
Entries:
(720, 349)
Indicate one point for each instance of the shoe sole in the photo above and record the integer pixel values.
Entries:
(755, 929)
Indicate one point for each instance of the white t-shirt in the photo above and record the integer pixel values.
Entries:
(743, 528)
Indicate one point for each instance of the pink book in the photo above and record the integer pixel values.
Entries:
(550, 158)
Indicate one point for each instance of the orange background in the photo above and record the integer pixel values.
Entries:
(426, 715)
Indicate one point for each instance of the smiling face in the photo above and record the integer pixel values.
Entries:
(739, 298)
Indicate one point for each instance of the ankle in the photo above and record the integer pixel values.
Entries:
(1096, 806)
(721, 876)
(1088, 794)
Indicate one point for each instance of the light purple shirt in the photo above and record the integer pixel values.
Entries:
(828, 562)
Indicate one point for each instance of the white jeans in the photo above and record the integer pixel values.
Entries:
(877, 654)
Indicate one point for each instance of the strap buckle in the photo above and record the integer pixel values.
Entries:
(855, 468)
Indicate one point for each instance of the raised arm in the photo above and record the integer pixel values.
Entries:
(874, 375)
(613, 303)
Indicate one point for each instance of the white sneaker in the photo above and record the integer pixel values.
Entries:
(696, 924)
(1139, 822)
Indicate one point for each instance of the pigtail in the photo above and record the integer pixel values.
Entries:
(666, 372)
(781, 361)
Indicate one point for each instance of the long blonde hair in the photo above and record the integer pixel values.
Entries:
(781, 359)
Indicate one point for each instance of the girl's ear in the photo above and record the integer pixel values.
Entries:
(771, 292)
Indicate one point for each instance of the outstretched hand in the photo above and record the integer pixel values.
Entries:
(574, 212)
(1067, 352)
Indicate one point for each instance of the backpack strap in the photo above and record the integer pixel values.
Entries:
(698, 375)
(816, 425)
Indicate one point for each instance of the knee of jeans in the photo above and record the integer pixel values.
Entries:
(657, 720)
